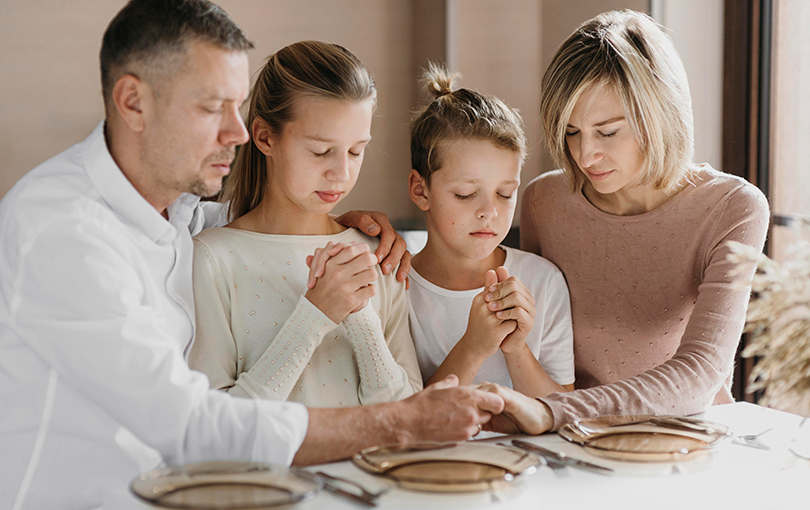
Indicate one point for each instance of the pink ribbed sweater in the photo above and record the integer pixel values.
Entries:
(657, 315)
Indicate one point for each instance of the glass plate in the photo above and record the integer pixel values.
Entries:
(645, 438)
(448, 467)
(225, 486)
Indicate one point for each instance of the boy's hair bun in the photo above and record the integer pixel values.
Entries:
(459, 114)
(437, 81)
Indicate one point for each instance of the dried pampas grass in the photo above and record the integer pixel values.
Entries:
(778, 319)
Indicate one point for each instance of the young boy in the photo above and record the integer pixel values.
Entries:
(467, 150)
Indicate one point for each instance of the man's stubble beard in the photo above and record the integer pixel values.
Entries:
(203, 190)
(199, 187)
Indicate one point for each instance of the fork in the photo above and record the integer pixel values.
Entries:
(365, 496)
(559, 468)
(753, 440)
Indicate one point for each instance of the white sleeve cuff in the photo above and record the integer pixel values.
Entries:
(281, 429)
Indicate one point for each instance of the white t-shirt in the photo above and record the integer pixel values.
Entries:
(439, 319)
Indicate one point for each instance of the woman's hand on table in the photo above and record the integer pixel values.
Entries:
(520, 415)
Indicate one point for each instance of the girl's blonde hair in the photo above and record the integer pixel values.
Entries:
(307, 69)
(627, 51)
(460, 114)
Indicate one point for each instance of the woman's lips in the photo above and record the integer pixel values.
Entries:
(329, 196)
(600, 176)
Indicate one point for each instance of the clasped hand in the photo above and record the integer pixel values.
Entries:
(501, 316)
(346, 284)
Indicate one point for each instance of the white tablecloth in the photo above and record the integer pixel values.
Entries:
(735, 477)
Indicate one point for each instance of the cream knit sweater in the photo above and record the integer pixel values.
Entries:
(258, 336)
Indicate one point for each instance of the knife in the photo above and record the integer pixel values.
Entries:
(561, 457)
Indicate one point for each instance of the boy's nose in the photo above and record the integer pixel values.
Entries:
(487, 211)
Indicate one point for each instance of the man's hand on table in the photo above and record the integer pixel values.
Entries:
(445, 411)
(521, 414)
(441, 412)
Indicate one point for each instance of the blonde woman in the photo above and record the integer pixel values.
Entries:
(638, 229)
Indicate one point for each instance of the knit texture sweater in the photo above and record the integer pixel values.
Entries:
(258, 336)
(656, 309)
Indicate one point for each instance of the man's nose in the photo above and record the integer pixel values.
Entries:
(233, 131)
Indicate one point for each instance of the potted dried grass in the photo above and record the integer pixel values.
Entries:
(778, 320)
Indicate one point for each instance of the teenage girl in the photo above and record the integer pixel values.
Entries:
(262, 332)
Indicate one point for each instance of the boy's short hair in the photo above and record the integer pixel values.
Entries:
(628, 52)
(148, 38)
(460, 114)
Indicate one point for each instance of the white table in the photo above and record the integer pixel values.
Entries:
(735, 477)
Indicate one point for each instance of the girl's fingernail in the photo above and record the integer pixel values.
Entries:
(492, 306)
(493, 288)
(499, 314)
(373, 227)
(379, 258)
(489, 296)
(387, 268)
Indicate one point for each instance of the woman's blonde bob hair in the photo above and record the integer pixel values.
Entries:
(628, 52)
(307, 69)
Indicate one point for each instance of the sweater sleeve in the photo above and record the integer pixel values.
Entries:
(383, 348)
(214, 351)
(688, 382)
(529, 227)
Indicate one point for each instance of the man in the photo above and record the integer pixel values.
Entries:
(96, 306)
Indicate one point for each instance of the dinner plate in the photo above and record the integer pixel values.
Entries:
(644, 438)
(225, 486)
(448, 467)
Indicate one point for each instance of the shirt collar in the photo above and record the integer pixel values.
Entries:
(122, 197)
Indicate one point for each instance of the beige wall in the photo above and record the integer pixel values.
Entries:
(696, 28)
(50, 95)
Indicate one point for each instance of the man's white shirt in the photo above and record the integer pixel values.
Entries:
(96, 317)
